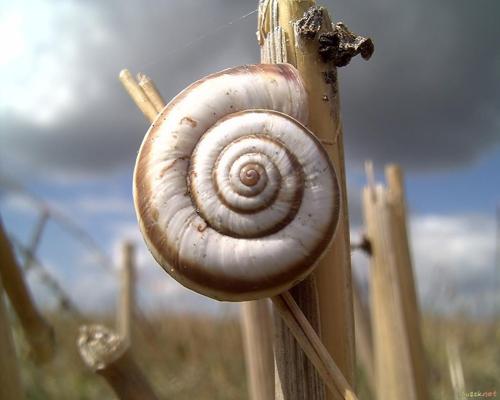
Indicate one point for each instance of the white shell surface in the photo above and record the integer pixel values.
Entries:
(236, 199)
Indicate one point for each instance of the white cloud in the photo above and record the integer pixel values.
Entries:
(453, 258)
(462, 245)
(42, 56)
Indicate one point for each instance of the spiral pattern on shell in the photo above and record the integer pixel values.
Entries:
(235, 197)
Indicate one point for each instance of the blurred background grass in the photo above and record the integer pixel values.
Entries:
(194, 357)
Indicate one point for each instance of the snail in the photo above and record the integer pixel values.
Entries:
(235, 197)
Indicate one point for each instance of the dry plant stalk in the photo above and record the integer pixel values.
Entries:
(396, 196)
(149, 88)
(256, 324)
(107, 354)
(282, 40)
(138, 95)
(296, 376)
(37, 331)
(393, 368)
(312, 345)
(10, 374)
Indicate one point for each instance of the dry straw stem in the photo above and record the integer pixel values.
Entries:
(10, 375)
(312, 345)
(149, 88)
(333, 274)
(396, 196)
(257, 334)
(138, 95)
(296, 376)
(108, 355)
(37, 331)
(394, 373)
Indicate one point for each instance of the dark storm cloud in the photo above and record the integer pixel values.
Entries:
(427, 99)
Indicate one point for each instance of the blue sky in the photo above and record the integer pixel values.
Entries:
(469, 188)
(428, 100)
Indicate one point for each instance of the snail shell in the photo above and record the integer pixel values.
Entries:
(235, 197)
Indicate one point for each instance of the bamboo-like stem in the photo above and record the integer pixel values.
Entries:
(138, 95)
(257, 334)
(296, 376)
(108, 355)
(396, 196)
(37, 331)
(126, 306)
(281, 41)
(149, 88)
(312, 345)
(393, 368)
(10, 374)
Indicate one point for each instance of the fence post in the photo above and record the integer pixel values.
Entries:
(326, 297)
(126, 306)
(257, 331)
